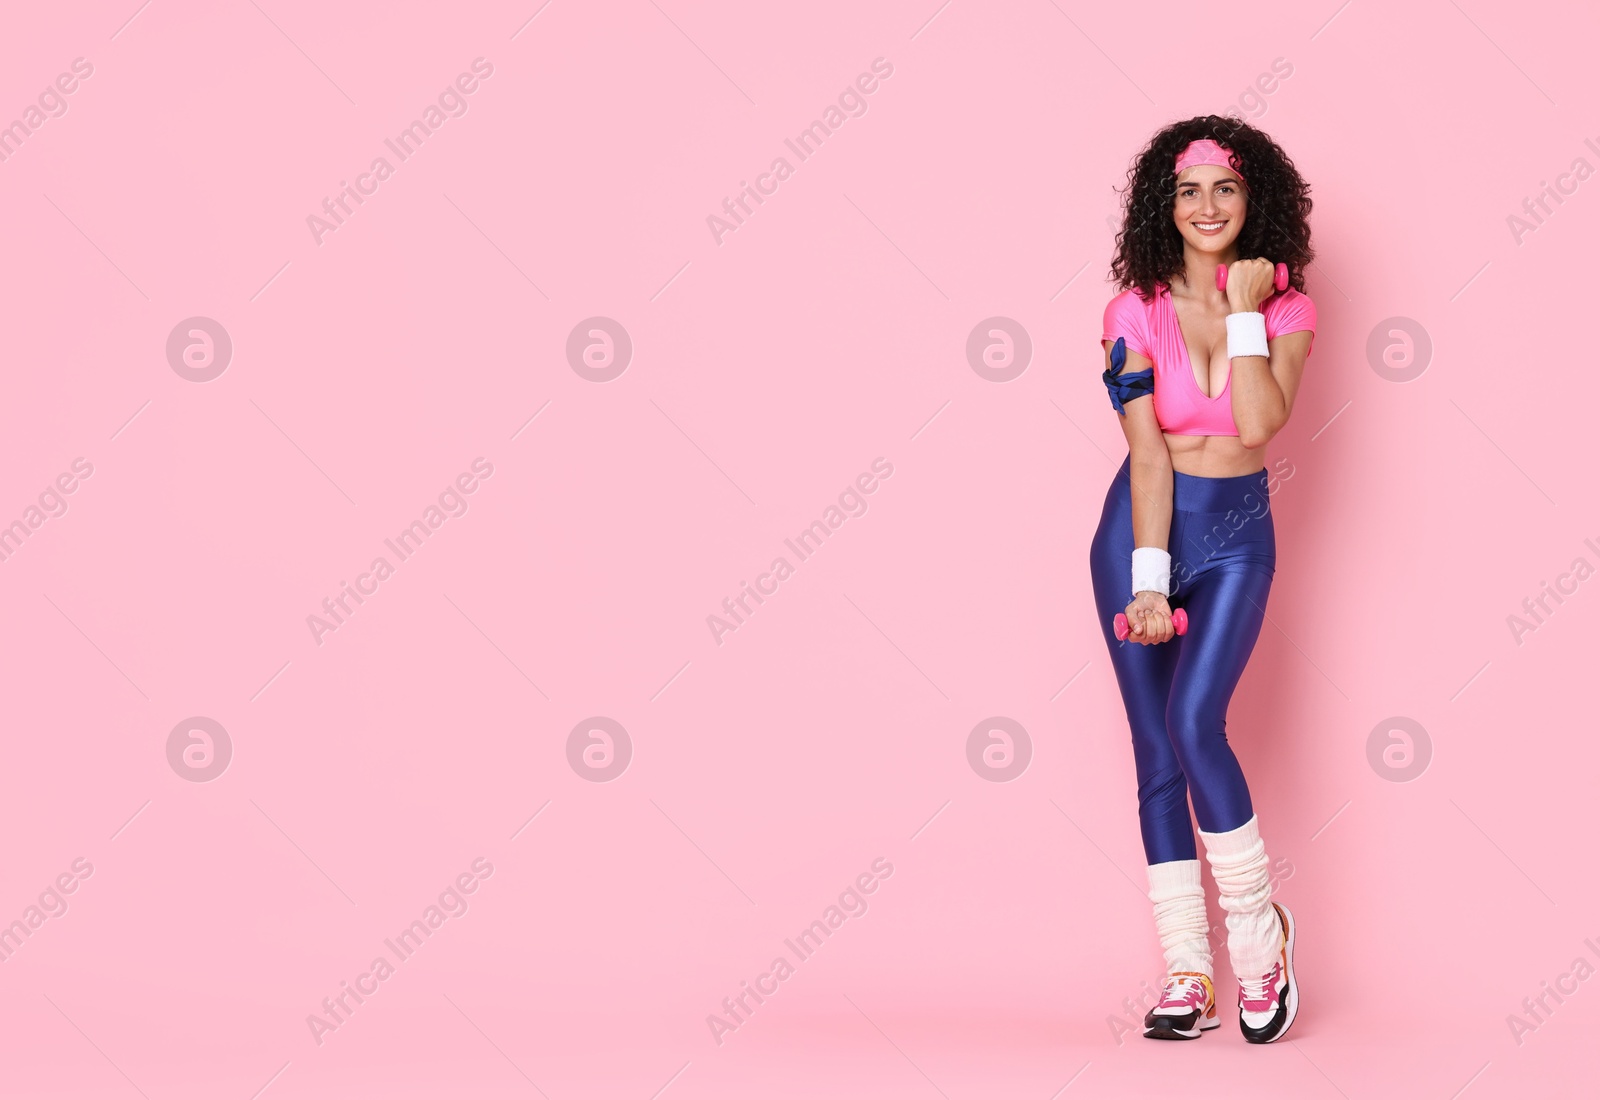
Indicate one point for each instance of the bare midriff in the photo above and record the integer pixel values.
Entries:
(1214, 455)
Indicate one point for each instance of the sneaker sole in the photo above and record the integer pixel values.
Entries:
(1206, 1024)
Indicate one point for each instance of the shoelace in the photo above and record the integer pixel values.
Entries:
(1178, 990)
(1255, 989)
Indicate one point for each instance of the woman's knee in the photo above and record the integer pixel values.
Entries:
(1191, 725)
(1163, 789)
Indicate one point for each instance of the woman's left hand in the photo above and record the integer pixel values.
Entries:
(1249, 284)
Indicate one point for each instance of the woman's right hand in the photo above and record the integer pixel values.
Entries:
(1149, 619)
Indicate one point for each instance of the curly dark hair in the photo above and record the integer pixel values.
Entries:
(1276, 226)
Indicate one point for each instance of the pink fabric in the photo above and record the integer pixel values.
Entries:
(1151, 329)
(1205, 151)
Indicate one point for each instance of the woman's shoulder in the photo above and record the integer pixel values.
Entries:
(1129, 304)
(1127, 315)
(1290, 311)
(1132, 297)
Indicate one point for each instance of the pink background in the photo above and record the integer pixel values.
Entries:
(769, 371)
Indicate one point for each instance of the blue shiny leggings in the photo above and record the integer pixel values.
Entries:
(1176, 693)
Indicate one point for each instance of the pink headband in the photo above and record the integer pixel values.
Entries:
(1206, 151)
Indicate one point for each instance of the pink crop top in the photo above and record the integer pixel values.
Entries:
(1151, 329)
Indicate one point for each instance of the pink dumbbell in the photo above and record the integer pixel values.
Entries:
(1280, 278)
(1180, 623)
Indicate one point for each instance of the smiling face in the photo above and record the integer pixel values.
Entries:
(1210, 206)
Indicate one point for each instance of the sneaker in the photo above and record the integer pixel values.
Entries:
(1267, 1005)
(1188, 1007)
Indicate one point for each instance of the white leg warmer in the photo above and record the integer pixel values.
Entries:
(1238, 861)
(1181, 922)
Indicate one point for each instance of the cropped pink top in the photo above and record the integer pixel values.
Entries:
(1151, 329)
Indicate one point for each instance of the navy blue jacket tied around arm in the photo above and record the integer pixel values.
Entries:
(1126, 387)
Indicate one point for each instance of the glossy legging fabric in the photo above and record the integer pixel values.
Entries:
(1176, 693)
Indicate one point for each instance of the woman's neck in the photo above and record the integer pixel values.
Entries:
(1200, 271)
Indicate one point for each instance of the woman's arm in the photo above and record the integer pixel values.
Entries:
(1264, 389)
(1263, 385)
(1149, 462)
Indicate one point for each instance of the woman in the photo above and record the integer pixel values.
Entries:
(1203, 379)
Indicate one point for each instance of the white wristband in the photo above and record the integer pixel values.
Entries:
(1247, 334)
(1152, 570)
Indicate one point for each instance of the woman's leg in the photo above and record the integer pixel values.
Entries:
(1226, 600)
(1226, 604)
(1144, 677)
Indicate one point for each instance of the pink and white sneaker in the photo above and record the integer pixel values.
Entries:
(1188, 1007)
(1267, 1004)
